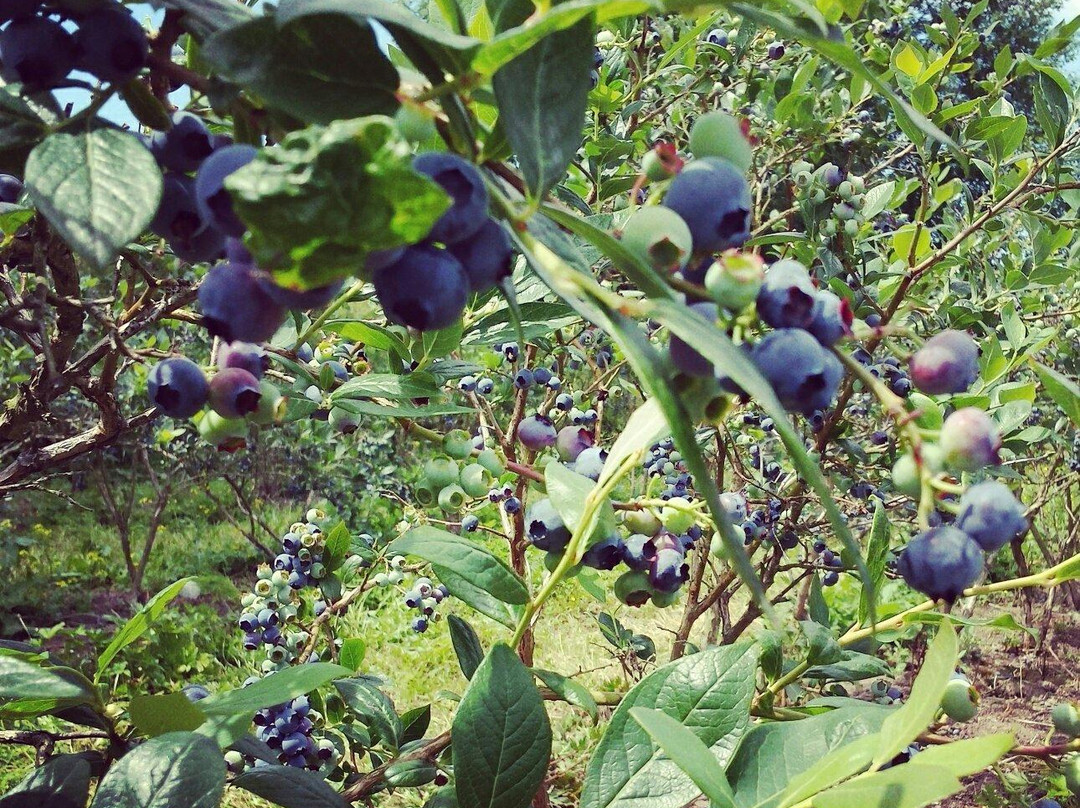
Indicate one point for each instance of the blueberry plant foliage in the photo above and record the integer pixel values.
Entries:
(718, 308)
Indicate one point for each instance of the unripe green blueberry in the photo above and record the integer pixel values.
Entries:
(960, 700)
(818, 196)
(641, 522)
(395, 577)
(415, 123)
(845, 190)
(441, 472)
(717, 134)
(858, 183)
(1070, 767)
(633, 589)
(677, 515)
(735, 279)
(664, 599)
(425, 493)
(660, 237)
(343, 421)
(905, 473)
(1066, 719)
(843, 211)
(489, 459)
(851, 227)
(662, 162)
(828, 227)
(234, 761)
(226, 434)
(458, 444)
(272, 405)
(803, 179)
(475, 480)
(801, 167)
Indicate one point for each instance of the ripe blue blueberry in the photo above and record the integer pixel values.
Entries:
(991, 515)
(485, 386)
(541, 375)
(36, 51)
(511, 505)
(554, 383)
(215, 204)
(832, 318)
(467, 384)
(803, 374)
(426, 289)
(420, 625)
(235, 307)
(462, 181)
(564, 402)
(717, 36)
(941, 563)
(668, 570)
(523, 379)
(537, 432)
(544, 528)
(787, 298)
(195, 692)
(470, 523)
(112, 44)
(11, 188)
(245, 355)
(831, 578)
(177, 220)
(776, 50)
(713, 198)
(590, 463)
(638, 551)
(1046, 802)
(178, 387)
(947, 363)
(486, 255)
(685, 358)
(605, 554)
(970, 440)
(16, 9)
(185, 145)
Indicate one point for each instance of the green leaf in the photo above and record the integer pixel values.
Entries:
(502, 738)
(850, 667)
(358, 193)
(415, 723)
(373, 708)
(437, 344)
(157, 715)
(910, 786)
(1064, 391)
(715, 346)
(1004, 621)
(970, 755)
(61, 782)
(23, 121)
(352, 653)
(645, 426)
(569, 690)
(877, 554)
(466, 645)
(138, 624)
(289, 787)
(276, 688)
(12, 217)
(904, 726)
(337, 547)
(689, 754)
(99, 189)
(776, 759)
(178, 770)
(388, 385)
(461, 560)
(318, 68)
(20, 679)
(400, 410)
(568, 492)
(709, 693)
(372, 335)
(823, 647)
(542, 95)
(877, 199)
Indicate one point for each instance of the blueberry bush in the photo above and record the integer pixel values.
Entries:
(764, 315)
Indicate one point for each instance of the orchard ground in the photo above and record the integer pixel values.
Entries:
(74, 596)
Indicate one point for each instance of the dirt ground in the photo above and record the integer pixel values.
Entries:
(1019, 678)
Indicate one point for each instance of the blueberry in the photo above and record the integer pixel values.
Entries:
(717, 36)
(668, 570)
(37, 52)
(804, 375)
(734, 505)
(195, 692)
(734, 280)
(244, 355)
(941, 563)
(776, 50)
(991, 515)
(590, 463)
(633, 588)
(604, 554)
(537, 432)
(470, 523)
(831, 578)
(544, 528)
(819, 546)
(873, 320)
(486, 255)
(215, 204)
(112, 44)
(638, 551)
(235, 307)
(713, 198)
(554, 383)
(420, 625)
(659, 237)
(185, 145)
(970, 440)
(598, 59)
(461, 180)
(178, 387)
(512, 505)
(832, 318)
(947, 363)
(426, 289)
(788, 298)
(523, 379)
(685, 358)
(177, 220)
(11, 188)
(485, 386)
(571, 442)
(1046, 802)
(541, 375)
(718, 134)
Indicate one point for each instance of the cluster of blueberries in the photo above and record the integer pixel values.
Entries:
(836, 197)
(237, 394)
(40, 52)
(664, 461)
(944, 560)
(721, 38)
(423, 596)
(332, 361)
(288, 729)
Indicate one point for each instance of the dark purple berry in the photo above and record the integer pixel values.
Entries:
(235, 307)
(991, 515)
(462, 181)
(947, 363)
(537, 432)
(804, 375)
(605, 554)
(713, 198)
(184, 146)
(215, 204)
(832, 319)
(178, 387)
(685, 358)
(426, 289)
(37, 52)
(11, 188)
(234, 393)
(787, 298)
(572, 441)
(486, 256)
(941, 563)
(244, 355)
(112, 44)
(544, 528)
